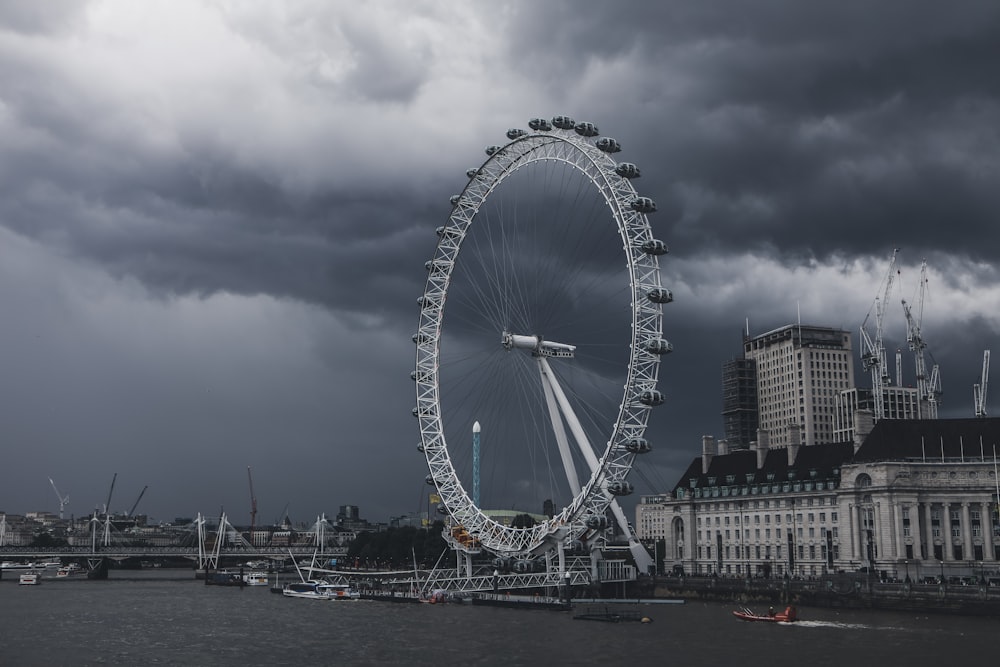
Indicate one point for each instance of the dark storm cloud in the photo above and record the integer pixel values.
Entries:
(281, 170)
(828, 122)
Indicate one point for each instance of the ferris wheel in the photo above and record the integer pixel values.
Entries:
(540, 327)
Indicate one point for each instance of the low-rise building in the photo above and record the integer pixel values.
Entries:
(911, 498)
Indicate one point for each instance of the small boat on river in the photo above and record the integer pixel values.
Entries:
(69, 571)
(255, 578)
(10, 565)
(31, 578)
(319, 589)
(789, 615)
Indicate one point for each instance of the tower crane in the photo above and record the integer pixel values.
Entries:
(136, 503)
(979, 389)
(253, 504)
(63, 500)
(928, 387)
(873, 349)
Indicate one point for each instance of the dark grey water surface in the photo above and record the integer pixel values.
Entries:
(165, 617)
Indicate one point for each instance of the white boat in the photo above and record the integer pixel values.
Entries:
(69, 570)
(10, 565)
(29, 579)
(319, 590)
(255, 578)
(48, 564)
(340, 592)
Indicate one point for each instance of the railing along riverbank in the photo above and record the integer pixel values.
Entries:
(842, 590)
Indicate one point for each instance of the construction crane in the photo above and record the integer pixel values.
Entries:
(873, 349)
(253, 503)
(928, 387)
(136, 503)
(63, 500)
(979, 389)
(107, 505)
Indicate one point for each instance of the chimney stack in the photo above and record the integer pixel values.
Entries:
(707, 451)
(763, 444)
(794, 442)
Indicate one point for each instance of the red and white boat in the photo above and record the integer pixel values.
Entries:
(789, 615)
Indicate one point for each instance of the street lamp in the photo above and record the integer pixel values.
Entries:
(907, 563)
(942, 571)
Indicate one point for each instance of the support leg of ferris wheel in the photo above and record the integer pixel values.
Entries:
(643, 561)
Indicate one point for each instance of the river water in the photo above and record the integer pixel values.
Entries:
(166, 617)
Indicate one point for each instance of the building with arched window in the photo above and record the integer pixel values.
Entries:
(914, 498)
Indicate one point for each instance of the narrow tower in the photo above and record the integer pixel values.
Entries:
(475, 464)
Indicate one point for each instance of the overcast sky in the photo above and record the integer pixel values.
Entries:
(214, 216)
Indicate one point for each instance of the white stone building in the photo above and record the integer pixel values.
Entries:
(913, 498)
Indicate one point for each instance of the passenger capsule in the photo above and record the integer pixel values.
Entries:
(655, 247)
(660, 295)
(658, 346)
(490, 150)
(597, 522)
(563, 122)
(540, 124)
(638, 446)
(420, 338)
(643, 205)
(524, 566)
(430, 480)
(420, 447)
(514, 133)
(436, 264)
(627, 170)
(472, 173)
(501, 564)
(652, 397)
(416, 413)
(454, 199)
(586, 129)
(608, 145)
(442, 509)
(621, 488)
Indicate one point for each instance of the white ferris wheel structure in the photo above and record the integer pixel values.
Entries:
(541, 320)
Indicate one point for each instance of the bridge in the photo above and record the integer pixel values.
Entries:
(206, 550)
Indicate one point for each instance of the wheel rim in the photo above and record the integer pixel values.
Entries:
(580, 155)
